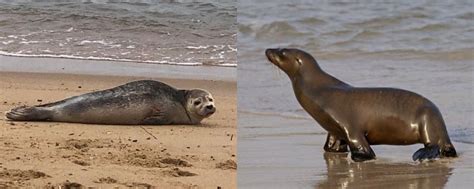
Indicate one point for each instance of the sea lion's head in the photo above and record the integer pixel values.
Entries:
(199, 104)
(291, 61)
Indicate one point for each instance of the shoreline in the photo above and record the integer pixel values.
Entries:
(114, 68)
(52, 154)
(92, 58)
(278, 152)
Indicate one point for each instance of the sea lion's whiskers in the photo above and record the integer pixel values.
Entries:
(276, 70)
(280, 73)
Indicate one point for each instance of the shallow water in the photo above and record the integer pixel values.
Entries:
(348, 29)
(426, 47)
(278, 152)
(115, 68)
(448, 81)
(152, 31)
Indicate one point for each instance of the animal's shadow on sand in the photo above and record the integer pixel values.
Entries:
(344, 173)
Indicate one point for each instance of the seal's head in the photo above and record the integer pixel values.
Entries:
(199, 104)
(291, 61)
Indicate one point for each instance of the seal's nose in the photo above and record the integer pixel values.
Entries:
(210, 107)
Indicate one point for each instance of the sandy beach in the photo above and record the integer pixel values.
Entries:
(47, 154)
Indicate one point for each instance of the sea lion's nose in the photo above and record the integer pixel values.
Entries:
(270, 51)
(277, 51)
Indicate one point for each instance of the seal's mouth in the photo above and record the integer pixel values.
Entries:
(208, 114)
(209, 110)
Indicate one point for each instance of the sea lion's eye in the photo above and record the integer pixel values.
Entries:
(197, 102)
(210, 100)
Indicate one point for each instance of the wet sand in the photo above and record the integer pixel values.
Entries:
(114, 68)
(294, 158)
(45, 154)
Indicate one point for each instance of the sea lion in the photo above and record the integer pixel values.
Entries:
(139, 102)
(360, 117)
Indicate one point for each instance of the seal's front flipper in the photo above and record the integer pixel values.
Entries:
(28, 113)
(156, 120)
(156, 117)
(428, 152)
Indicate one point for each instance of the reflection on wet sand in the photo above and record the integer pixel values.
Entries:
(344, 173)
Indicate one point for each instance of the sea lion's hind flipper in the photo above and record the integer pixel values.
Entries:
(28, 113)
(428, 152)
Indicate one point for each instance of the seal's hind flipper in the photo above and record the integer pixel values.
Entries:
(428, 152)
(28, 113)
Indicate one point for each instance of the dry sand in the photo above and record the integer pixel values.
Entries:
(39, 154)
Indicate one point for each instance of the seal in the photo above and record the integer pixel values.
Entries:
(359, 117)
(139, 102)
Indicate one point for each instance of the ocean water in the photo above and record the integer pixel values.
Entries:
(423, 46)
(346, 29)
(426, 47)
(201, 32)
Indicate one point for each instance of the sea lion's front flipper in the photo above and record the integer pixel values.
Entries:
(360, 148)
(334, 144)
(428, 152)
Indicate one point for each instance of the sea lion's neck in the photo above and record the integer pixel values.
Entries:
(315, 78)
(309, 93)
(309, 83)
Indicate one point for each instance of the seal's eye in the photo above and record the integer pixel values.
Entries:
(210, 100)
(197, 102)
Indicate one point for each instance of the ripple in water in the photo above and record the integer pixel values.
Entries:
(162, 32)
(426, 47)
